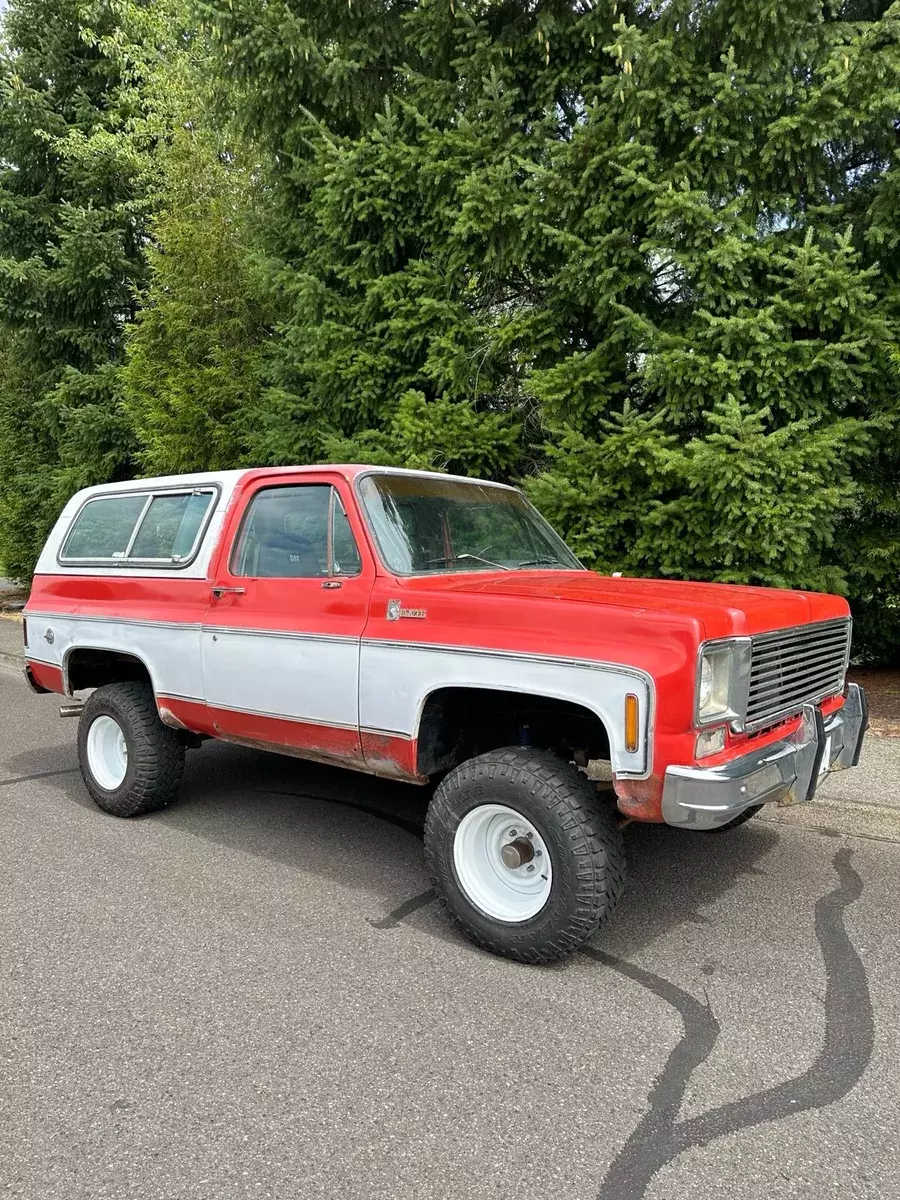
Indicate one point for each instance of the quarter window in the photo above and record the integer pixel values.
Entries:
(103, 528)
(140, 527)
(296, 532)
(170, 526)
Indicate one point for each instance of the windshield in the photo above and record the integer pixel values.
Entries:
(428, 524)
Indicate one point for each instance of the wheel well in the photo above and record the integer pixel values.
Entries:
(89, 668)
(460, 722)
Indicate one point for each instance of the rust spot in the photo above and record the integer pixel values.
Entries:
(640, 799)
(168, 718)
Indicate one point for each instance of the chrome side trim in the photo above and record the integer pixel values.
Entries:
(257, 712)
(206, 627)
(542, 659)
(290, 634)
(93, 617)
(562, 660)
(391, 733)
(44, 662)
(481, 651)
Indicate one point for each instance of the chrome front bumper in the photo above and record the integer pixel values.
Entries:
(785, 772)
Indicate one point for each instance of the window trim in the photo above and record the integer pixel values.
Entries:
(330, 573)
(214, 490)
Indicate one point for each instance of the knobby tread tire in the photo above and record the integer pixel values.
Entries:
(155, 752)
(582, 836)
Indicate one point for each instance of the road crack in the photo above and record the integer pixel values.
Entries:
(38, 775)
(392, 919)
(659, 1137)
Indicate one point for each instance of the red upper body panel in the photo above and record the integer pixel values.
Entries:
(726, 610)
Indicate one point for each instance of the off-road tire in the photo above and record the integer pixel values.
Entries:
(582, 836)
(738, 820)
(155, 752)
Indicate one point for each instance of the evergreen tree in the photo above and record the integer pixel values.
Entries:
(191, 371)
(71, 218)
(657, 238)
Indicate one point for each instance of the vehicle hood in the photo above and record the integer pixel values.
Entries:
(725, 609)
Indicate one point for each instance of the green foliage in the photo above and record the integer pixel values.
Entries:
(72, 206)
(660, 238)
(436, 435)
(644, 256)
(638, 500)
(190, 377)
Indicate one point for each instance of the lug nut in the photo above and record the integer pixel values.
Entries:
(530, 867)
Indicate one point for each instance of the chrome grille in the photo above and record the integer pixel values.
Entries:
(793, 667)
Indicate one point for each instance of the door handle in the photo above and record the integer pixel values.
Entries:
(332, 583)
(219, 592)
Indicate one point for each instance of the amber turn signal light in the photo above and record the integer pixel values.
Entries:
(632, 722)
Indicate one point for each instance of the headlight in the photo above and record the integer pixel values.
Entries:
(723, 681)
(715, 683)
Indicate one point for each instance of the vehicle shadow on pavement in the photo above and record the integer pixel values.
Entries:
(338, 824)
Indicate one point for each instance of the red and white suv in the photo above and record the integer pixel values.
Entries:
(436, 630)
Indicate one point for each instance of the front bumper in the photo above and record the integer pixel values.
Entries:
(785, 772)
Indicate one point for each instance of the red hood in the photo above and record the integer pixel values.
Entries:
(724, 608)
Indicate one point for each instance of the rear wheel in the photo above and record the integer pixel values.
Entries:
(524, 857)
(130, 762)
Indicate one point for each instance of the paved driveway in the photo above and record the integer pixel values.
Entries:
(254, 995)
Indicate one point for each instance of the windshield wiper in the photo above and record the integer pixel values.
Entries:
(538, 562)
(452, 558)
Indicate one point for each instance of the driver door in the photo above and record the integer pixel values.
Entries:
(288, 604)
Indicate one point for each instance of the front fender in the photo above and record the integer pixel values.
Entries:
(396, 679)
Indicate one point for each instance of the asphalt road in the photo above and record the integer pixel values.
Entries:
(253, 995)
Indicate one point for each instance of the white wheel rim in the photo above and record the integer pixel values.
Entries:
(500, 891)
(107, 752)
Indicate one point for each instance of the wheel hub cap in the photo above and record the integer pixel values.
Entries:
(502, 863)
(516, 854)
(107, 752)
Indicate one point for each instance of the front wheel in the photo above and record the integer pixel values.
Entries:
(523, 855)
(130, 762)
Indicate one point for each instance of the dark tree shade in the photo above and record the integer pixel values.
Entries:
(70, 254)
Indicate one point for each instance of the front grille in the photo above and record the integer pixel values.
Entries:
(793, 667)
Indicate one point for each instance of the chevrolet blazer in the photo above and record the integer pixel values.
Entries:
(436, 630)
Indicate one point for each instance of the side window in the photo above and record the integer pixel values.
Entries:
(104, 527)
(171, 525)
(295, 532)
(137, 528)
